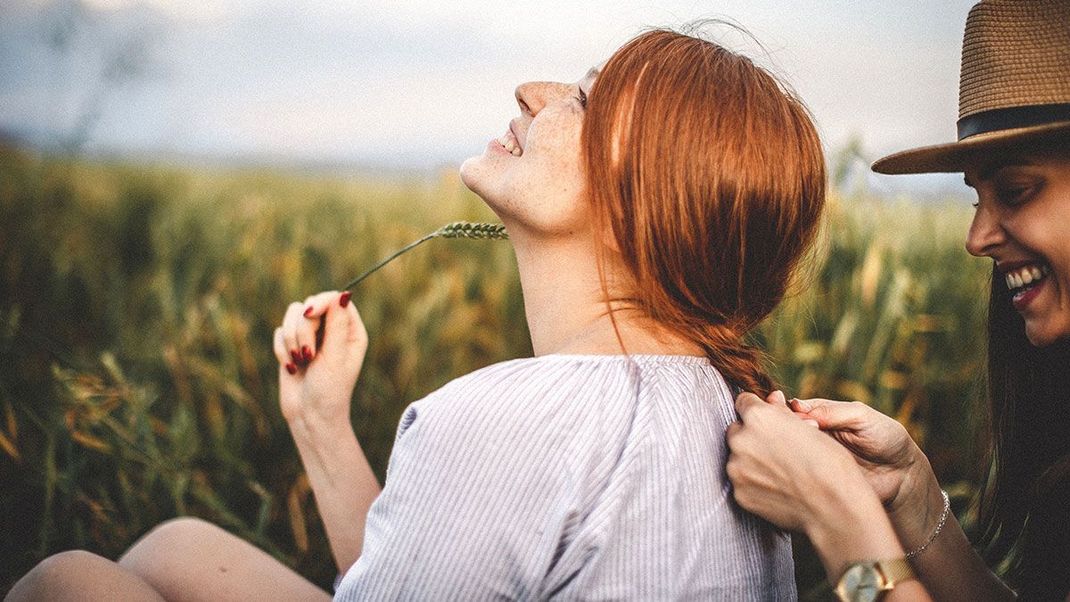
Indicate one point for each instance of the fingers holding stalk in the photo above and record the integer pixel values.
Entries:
(296, 338)
(344, 334)
(282, 354)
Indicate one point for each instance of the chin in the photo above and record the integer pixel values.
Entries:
(469, 170)
(1042, 335)
(475, 177)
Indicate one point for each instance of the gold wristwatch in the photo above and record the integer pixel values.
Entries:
(869, 580)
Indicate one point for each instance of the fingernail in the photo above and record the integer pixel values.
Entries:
(292, 369)
(295, 356)
(308, 311)
(306, 354)
(812, 423)
(802, 405)
(344, 300)
(779, 395)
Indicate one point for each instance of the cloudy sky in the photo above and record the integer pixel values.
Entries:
(422, 84)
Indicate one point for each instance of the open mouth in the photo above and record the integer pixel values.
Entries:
(1023, 279)
(509, 142)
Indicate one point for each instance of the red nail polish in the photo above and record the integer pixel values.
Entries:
(292, 369)
(308, 311)
(295, 356)
(344, 300)
(306, 354)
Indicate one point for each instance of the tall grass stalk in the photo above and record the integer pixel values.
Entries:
(478, 231)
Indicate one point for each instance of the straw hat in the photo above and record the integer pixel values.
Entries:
(1014, 85)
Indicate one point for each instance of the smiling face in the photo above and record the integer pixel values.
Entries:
(1023, 223)
(532, 176)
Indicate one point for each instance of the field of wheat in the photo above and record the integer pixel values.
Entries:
(137, 302)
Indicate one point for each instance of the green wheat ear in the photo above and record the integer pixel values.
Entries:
(478, 231)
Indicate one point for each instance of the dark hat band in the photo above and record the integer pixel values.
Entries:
(1012, 118)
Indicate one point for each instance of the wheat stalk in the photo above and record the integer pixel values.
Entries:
(477, 231)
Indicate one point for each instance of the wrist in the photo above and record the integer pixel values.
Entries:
(852, 526)
(917, 507)
(313, 430)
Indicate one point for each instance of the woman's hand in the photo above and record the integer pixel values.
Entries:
(785, 470)
(801, 479)
(891, 462)
(320, 347)
(889, 458)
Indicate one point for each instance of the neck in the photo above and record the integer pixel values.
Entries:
(565, 304)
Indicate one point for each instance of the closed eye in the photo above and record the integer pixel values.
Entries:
(1015, 195)
(582, 98)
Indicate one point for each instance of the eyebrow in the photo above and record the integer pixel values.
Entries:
(994, 167)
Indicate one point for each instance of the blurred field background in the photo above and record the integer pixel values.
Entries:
(137, 304)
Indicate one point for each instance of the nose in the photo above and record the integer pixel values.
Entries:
(533, 96)
(986, 232)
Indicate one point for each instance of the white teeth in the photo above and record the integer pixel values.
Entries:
(1026, 275)
(510, 144)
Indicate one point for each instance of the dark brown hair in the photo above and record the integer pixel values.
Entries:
(710, 177)
(1024, 521)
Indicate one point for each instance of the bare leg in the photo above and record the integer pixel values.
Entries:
(188, 559)
(78, 575)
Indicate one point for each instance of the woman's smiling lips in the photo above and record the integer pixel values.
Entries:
(1026, 279)
(508, 142)
(514, 130)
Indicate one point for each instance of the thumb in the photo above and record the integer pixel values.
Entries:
(344, 331)
(745, 402)
(833, 415)
(777, 398)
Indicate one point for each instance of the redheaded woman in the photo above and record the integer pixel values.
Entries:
(658, 208)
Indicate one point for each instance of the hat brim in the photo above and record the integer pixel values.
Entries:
(955, 156)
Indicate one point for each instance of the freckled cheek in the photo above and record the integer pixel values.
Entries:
(555, 140)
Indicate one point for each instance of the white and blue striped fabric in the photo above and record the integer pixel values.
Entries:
(568, 477)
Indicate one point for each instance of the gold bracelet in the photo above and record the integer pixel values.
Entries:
(939, 526)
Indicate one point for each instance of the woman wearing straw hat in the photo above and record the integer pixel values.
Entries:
(1014, 149)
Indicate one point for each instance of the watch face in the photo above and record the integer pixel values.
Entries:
(860, 583)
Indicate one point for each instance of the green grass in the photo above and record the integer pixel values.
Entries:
(137, 303)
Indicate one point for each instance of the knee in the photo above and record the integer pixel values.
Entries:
(170, 539)
(57, 577)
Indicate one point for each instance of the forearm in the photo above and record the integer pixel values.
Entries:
(948, 566)
(342, 482)
(854, 528)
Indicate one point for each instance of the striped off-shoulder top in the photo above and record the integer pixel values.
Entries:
(571, 477)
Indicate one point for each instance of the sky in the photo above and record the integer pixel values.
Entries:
(407, 84)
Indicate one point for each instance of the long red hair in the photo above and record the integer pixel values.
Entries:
(709, 175)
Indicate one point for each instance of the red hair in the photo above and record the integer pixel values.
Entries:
(710, 178)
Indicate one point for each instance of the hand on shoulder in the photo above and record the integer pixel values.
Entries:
(784, 469)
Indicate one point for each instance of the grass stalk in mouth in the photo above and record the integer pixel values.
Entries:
(477, 231)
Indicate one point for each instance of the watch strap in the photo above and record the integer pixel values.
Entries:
(895, 571)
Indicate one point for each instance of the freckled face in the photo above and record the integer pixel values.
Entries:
(1023, 223)
(532, 176)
